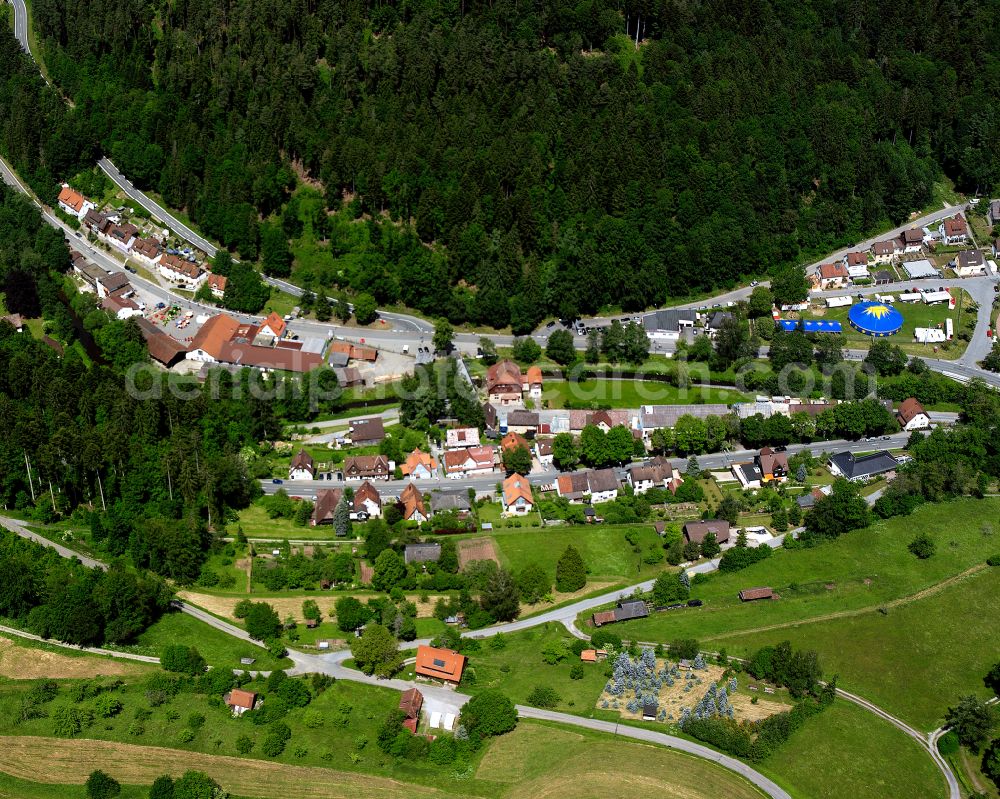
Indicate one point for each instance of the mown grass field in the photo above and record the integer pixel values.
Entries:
(914, 661)
(862, 569)
(25, 659)
(846, 751)
(606, 553)
(632, 394)
(843, 752)
(218, 648)
(541, 760)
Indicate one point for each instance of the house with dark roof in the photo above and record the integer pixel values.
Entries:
(912, 240)
(659, 474)
(912, 416)
(302, 467)
(884, 252)
(439, 664)
(504, 383)
(631, 609)
(668, 324)
(864, 468)
(368, 432)
(410, 702)
(574, 486)
(773, 465)
(442, 501)
(625, 610)
(748, 474)
(603, 484)
(808, 500)
(521, 421)
(969, 263)
(326, 503)
(422, 553)
(753, 594)
(884, 277)
(696, 531)
(367, 467)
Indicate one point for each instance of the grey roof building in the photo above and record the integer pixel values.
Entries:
(845, 464)
(422, 553)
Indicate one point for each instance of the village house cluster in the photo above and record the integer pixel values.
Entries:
(178, 266)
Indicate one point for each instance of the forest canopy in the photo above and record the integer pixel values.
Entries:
(501, 162)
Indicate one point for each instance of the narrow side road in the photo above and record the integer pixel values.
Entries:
(333, 664)
(93, 650)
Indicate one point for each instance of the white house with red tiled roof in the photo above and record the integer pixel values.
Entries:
(74, 203)
(218, 285)
(274, 325)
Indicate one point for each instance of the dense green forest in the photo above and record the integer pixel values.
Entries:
(58, 598)
(152, 475)
(551, 166)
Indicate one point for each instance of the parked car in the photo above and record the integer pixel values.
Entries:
(695, 603)
(550, 325)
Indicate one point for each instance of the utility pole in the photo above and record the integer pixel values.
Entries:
(31, 485)
(101, 488)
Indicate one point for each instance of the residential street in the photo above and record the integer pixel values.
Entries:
(487, 484)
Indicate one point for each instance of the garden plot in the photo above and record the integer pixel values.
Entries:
(477, 549)
(677, 691)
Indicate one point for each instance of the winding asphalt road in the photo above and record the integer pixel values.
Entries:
(333, 664)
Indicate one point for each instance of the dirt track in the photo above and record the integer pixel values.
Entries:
(843, 614)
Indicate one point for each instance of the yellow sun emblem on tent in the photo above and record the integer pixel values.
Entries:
(878, 311)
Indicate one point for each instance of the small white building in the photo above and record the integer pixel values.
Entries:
(928, 335)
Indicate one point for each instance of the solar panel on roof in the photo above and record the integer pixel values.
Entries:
(439, 663)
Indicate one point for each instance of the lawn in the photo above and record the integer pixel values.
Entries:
(256, 525)
(846, 751)
(23, 789)
(859, 571)
(914, 661)
(606, 553)
(218, 648)
(632, 394)
(547, 760)
(518, 668)
(915, 315)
